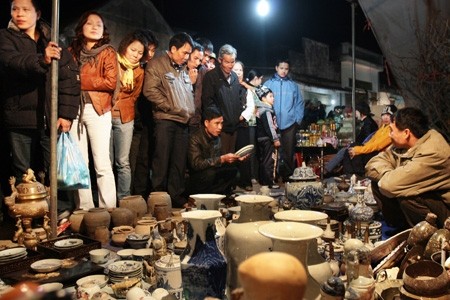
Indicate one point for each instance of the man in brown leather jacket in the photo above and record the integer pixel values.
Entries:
(168, 87)
(209, 171)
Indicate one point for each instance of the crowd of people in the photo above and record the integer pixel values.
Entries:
(174, 122)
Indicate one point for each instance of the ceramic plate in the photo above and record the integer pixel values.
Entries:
(99, 280)
(13, 252)
(68, 243)
(245, 150)
(303, 178)
(125, 266)
(46, 265)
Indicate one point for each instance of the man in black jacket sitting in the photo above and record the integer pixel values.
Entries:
(209, 171)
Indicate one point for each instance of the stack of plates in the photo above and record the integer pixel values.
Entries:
(124, 268)
(68, 243)
(12, 254)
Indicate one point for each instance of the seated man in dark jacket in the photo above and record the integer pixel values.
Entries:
(209, 171)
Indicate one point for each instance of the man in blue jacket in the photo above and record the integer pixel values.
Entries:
(289, 108)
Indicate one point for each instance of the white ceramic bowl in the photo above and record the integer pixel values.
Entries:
(126, 254)
(100, 280)
(51, 287)
(99, 256)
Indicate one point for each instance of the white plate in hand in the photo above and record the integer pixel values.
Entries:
(245, 150)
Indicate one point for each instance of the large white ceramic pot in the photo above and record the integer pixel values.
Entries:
(294, 238)
(242, 238)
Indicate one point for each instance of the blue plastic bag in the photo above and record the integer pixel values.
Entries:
(73, 174)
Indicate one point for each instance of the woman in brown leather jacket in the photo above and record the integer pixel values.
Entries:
(98, 72)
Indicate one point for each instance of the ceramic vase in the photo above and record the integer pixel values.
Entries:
(136, 204)
(203, 267)
(122, 216)
(318, 267)
(158, 197)
(207, 201)
(273, 275)
(94, 218)
(422, 231)
(161, 211)
(304, 194)
(295, 238)
(242, 238)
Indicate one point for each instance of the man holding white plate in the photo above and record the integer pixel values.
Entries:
(209, 171)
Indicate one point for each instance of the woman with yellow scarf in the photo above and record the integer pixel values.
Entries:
(132, 51)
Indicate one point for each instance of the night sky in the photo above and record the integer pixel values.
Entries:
(258, 40)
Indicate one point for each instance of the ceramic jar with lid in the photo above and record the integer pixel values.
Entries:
(303, 191)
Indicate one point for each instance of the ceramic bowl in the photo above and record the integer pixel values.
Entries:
(126, 254)
(100, 280)
(51, 287)
(138, 241)
(426, 278)
(99, 256)
(142, 254)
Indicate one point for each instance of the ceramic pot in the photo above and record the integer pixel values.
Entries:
(304, 194)
(161, 211)
(435, 242)
(122, 216)
(422, 231)
(426, 278)
(94, 218)
(76, 220)
(120, 234)
(145, 226)
(242, 238)
(136, 204)
(168, 274)
(207, 201)
(158, 197)
(102, 234)
(203, 267)
(273, 275)
(294, 238)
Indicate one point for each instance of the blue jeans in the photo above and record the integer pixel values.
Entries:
(336, 160)
(24, 145)
(122, 135)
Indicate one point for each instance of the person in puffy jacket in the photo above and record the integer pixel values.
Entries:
(26, 53)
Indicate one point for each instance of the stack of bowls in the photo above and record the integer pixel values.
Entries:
(124, 268)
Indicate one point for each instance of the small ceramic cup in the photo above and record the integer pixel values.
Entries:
(99, 256)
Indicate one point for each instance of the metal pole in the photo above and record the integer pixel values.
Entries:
(353, 73)
(53, 120)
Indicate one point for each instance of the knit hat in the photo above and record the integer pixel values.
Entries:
(363, 108)
(389, 109)
(261, 91)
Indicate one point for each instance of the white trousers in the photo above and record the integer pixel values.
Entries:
(95, 131)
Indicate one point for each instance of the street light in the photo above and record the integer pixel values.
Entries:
(263, 8)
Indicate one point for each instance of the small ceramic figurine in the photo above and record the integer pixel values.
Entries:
(19, 232)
